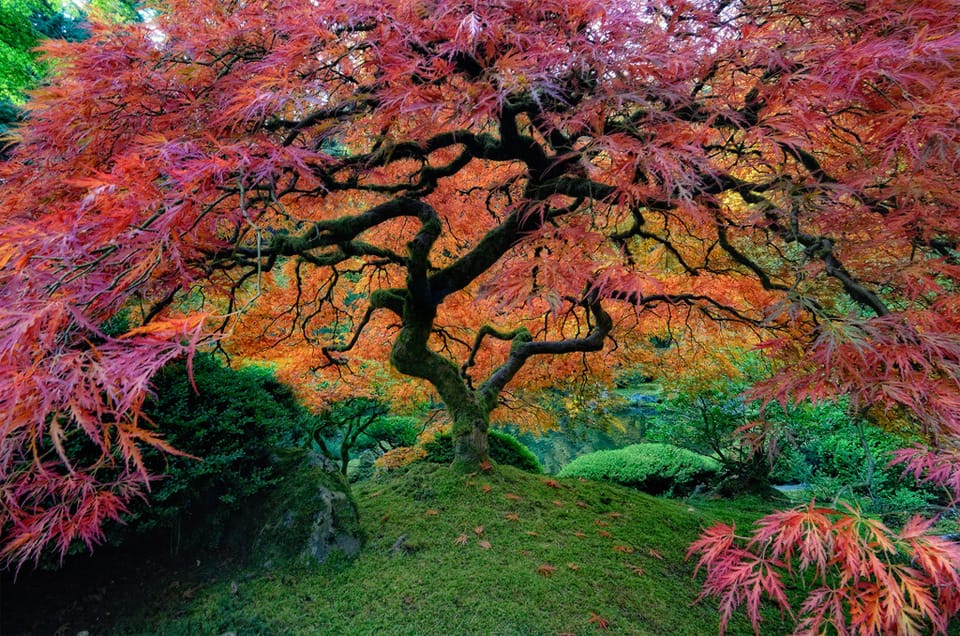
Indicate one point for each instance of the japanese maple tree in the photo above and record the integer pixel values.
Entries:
(464, 188)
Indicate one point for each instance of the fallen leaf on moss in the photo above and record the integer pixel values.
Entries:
(545, 569)
(599, 621)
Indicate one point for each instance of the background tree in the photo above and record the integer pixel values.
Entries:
(23, 24)
(464, 189)
(703, 409)
(348, 420)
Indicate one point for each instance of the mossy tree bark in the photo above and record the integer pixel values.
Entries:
(471, 417)
(412, 355)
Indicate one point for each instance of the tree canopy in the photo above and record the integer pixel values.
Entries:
(486, 195)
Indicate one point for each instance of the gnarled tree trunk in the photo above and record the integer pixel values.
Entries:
(411, 355)
(470, 445)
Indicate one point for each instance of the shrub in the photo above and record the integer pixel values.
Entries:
(231, 424)
(706, 412)
(504, 449)
(852, 464)
(653, 468)
(391, 431)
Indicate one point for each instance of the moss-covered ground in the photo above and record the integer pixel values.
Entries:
(499, 552)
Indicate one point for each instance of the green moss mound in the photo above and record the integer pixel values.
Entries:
(653, 468)
(505, 449)
(501, 552)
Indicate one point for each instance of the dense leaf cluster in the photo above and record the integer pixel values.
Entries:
(25, 23)
(854, 574)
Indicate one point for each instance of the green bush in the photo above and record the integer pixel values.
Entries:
(232, 423)
(653, 468)
(504, 449)
(843, 469)
(391, 431)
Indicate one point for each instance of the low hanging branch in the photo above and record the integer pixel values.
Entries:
(486, 330)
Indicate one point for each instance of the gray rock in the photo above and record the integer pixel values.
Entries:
(308, 517)
(326, 534)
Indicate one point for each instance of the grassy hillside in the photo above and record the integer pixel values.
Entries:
(501, 553)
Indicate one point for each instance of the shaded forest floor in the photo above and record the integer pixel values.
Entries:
(502, 552)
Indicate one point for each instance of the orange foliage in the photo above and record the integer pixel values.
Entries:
(399, 457)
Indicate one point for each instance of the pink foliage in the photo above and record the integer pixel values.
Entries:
(859, 577)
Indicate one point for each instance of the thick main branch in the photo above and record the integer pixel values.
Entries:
(524, 347)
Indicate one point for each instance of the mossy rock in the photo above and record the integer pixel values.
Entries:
(308, 517)
(362, 467)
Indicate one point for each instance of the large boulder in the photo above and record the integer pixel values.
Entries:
(308, 517)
